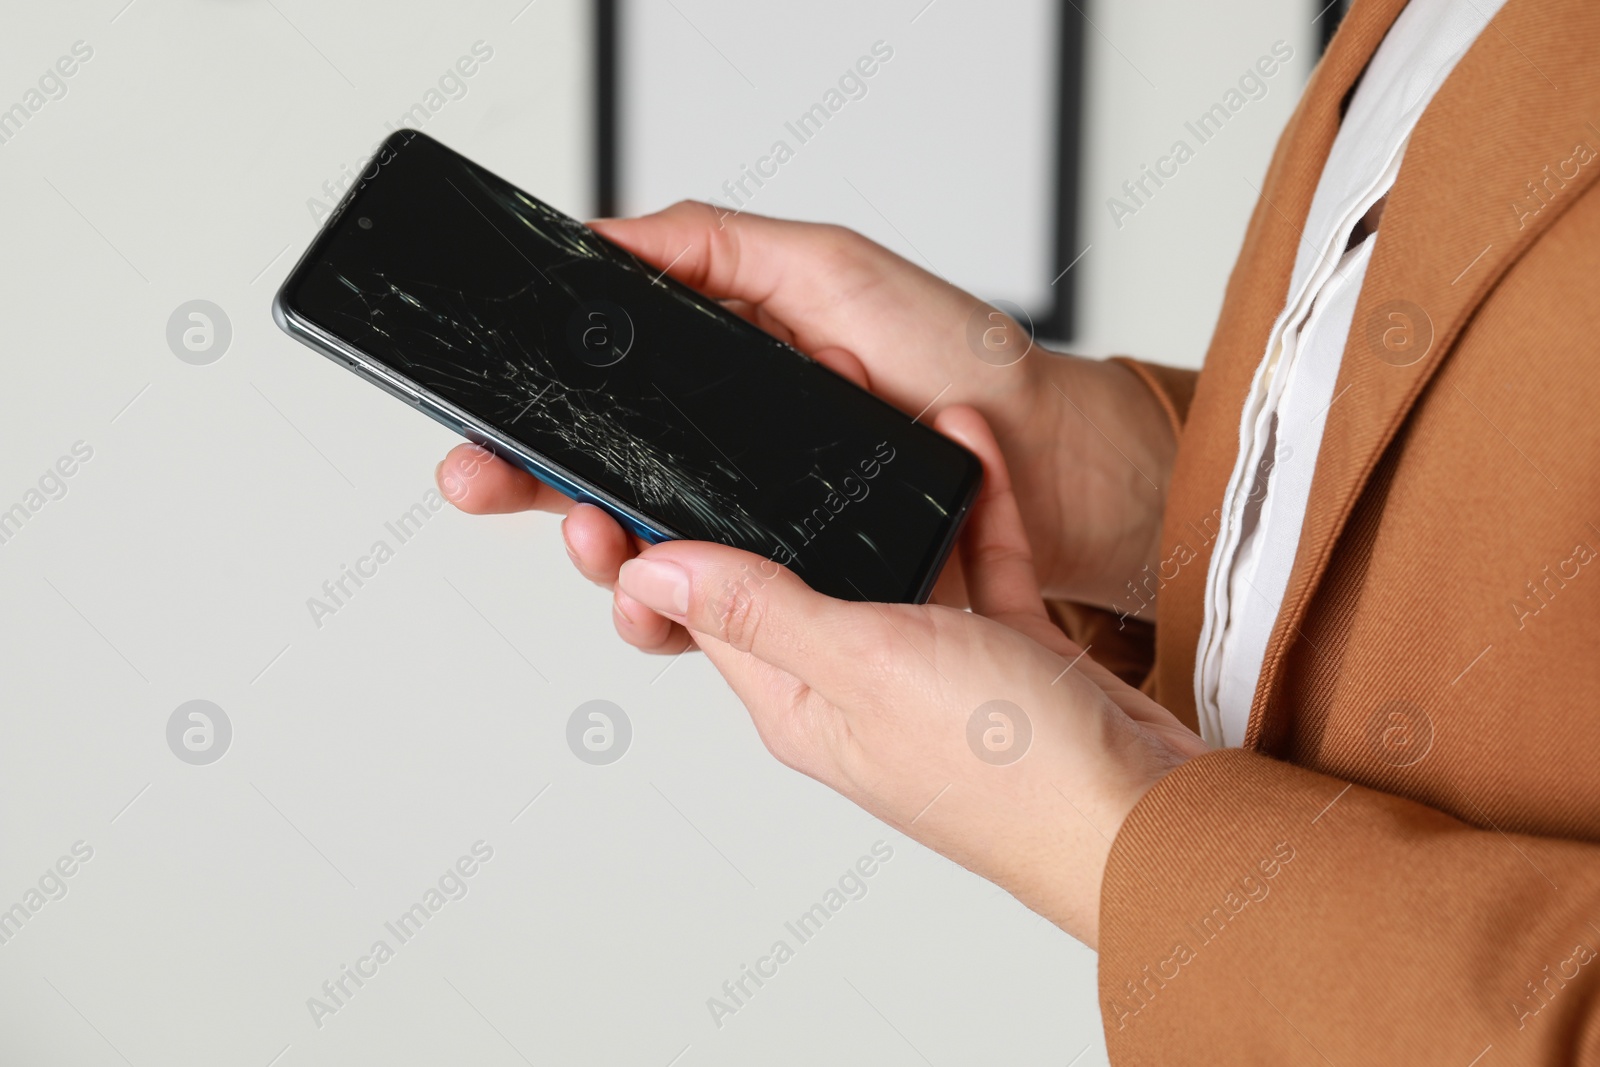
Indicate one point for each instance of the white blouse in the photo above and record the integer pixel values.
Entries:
(1280, 430)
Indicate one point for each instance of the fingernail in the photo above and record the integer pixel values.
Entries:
(658, 585)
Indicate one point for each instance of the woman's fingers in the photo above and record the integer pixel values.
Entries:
(841, 361)
(844, 363)
(996, 560)
(997, 565)
(798, 726)
(821, 286)
(951, 588)
(757, 315)
(725, 256)
(595, 543)
(480, 483)
(598, 547)
(644, 629)
(756, 607)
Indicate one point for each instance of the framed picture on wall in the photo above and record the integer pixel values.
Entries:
(947, 132)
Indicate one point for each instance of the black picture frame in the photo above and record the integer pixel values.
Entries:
(1329, 14)
(607, 96)
(1057, 320)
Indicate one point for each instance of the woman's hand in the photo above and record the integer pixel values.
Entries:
(1086, 442)
(986, 735)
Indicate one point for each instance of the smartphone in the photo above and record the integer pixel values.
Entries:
(528, 333)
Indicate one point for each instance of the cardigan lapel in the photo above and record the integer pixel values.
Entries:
(1255, 295)
(1509, 143)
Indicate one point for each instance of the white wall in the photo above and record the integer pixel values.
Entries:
(370, 752)
(1152, 286)
(948, 156)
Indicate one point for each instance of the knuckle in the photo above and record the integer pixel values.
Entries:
(688, 206)
(993, 555)
(837, 243)
(723, 247)
(851, 260)
(881, 651)
(783, 734)
(741, 616)
(802, 732)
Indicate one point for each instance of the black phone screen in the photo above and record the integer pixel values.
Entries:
(627, 380)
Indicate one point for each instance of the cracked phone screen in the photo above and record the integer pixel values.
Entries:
(642, 394)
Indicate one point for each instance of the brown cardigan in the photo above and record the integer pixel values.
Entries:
(1402, 865)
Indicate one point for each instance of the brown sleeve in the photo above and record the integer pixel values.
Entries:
(1173, 387)
(1125, 646)
(1257, 912)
